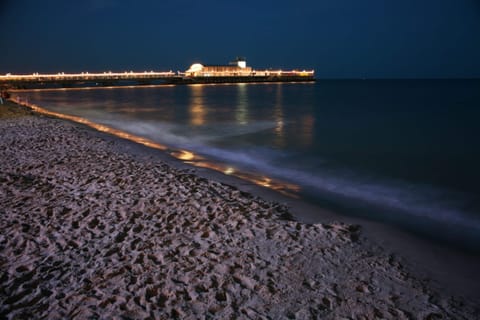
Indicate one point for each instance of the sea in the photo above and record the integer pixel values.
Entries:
(401, 152)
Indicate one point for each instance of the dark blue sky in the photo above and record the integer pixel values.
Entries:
(338, 38)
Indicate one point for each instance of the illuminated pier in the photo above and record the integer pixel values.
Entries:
(85, 78)
(235, 72)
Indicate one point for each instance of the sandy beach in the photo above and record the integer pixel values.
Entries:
(90, 229)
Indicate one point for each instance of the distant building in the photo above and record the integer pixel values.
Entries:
(235, 68)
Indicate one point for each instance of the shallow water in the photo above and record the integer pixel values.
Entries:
(401, 151)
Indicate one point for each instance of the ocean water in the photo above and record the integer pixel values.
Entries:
(404, 152)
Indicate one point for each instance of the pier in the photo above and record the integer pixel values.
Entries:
(84, 79)
(142, 78)
(235, 72)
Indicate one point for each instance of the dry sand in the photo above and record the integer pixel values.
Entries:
(90, 230)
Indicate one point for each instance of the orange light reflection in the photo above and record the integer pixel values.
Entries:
(185, 155)
(197, 108)
(96, 126)
(287, 189)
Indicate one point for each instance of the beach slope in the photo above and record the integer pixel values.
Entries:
(89, 229)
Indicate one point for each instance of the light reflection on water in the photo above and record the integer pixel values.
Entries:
(228, 114)
(186, 156)
(235, 109)
(197, 108)
(409, 146)
(241, 110)
(279, 118)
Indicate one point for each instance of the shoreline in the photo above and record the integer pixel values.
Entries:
(402, 244)
(439, 264)
(371, 236)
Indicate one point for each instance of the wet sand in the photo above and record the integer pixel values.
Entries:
(91, 227)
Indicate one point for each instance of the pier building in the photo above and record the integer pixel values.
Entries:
(235, 68)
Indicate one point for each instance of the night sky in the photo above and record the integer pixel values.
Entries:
(338, 38)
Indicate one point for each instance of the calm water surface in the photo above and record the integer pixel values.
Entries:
(403, 152)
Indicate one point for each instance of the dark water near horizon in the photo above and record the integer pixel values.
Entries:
(405, 152)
